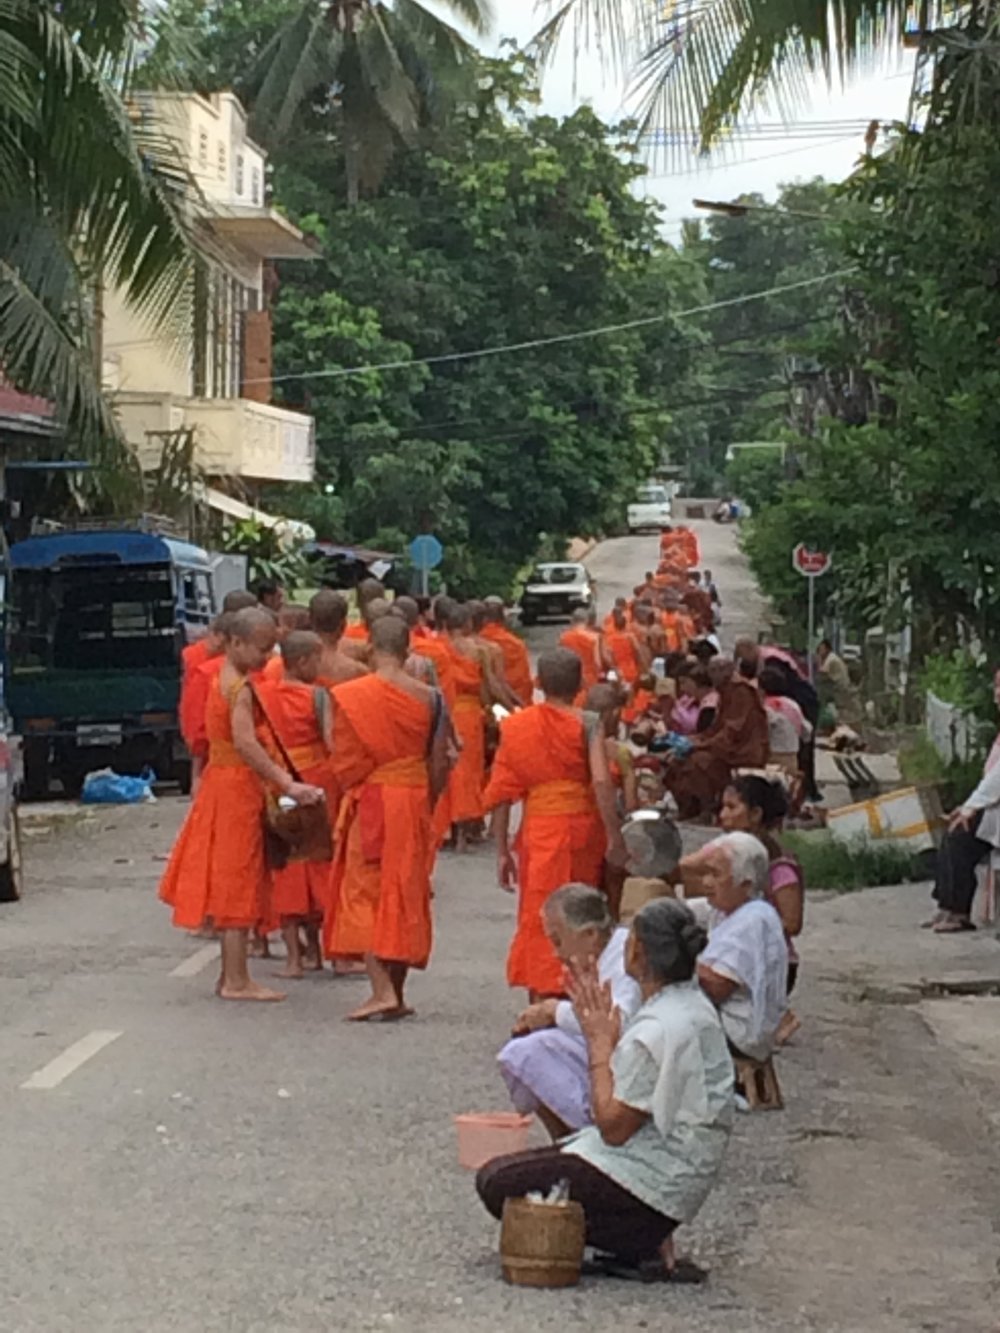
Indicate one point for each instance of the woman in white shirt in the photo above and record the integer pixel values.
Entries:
(545, 1063)
(662, 1101)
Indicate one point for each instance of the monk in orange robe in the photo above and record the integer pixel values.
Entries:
(328, 619)
(627, 652)
(550, 760)
(390, 756)
(195, 683)
(217, 874)
(300, 711)
(357, 635)
(494, 661)
(469, 671)
(678, 628)
(516, 662)
(585, 642)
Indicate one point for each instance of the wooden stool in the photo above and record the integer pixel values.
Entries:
(759, 1082)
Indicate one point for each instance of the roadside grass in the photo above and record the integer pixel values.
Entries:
(845, 867)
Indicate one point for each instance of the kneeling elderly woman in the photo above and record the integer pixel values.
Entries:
(661, 1096)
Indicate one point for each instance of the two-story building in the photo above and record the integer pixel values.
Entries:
(207, 364)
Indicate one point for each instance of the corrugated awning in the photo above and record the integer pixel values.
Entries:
(290, 528)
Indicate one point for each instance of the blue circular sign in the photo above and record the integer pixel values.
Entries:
(426, 551)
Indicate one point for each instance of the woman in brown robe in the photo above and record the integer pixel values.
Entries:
(736, 739)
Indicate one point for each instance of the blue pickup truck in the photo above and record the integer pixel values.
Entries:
(99, 620)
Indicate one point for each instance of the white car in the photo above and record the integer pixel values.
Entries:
(650, 509)
(556, 589)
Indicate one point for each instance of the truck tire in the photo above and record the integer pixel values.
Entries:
(36, 768)
(11, 880)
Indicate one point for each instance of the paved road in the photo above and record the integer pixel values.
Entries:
(199, 1167)
(620, 564)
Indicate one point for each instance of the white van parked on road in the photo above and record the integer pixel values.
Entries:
(651, 508)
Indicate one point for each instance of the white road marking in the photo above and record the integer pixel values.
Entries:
(59, 1069)
(197, 962)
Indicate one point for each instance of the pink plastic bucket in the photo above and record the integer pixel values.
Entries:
(481, 1137)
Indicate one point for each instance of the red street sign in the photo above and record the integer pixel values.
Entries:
(810, 563)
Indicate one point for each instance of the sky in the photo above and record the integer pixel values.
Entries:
(752, 165)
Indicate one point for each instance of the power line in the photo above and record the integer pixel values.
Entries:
(533, 343)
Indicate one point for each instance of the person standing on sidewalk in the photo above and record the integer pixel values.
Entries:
(973, 833)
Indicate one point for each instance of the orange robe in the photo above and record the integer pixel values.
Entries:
(623, 648)
(358, 632)
(516, 662)
(301, 889)
(274, 669)
(468, 777)
(192, 655)
(678, 630)
(380, 884)
(428, 645)
(195, 692)
(543, 761)
(584, 642)
(217, 872)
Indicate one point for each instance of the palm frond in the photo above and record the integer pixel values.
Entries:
(384, 74)
(43, 354)
(303, 54)
(701, 66)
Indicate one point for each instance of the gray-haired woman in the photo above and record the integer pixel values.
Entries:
(662, 1101)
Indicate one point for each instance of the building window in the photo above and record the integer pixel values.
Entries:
(239, 173)
(255, 187)
(203, 149)
(222, 161)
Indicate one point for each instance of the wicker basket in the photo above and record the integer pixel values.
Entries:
(541, 1244)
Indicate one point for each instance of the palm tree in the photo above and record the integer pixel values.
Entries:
(706, 64)
(381, 67)
(80, 201)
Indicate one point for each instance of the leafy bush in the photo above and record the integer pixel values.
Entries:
(960, 679)
(920, 762)
(845, 866)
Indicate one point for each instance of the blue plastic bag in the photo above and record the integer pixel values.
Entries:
(106, 787)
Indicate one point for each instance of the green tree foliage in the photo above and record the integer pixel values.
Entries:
(505, 228)
(78, 199)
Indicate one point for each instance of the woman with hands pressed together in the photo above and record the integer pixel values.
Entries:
(661, 1094)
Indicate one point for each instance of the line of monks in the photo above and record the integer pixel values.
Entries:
(391, 723)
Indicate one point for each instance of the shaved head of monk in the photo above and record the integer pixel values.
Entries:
(441, 609)
(459, 618)
(328, 612)
(302, 652)
(560, 674)
(375, 610)
(292, 616)
(368, 590)
(391, 638)
(477, 615)
(618, 618)
(407, 608)
(252, 637)
(238, 600)
(495, 611)
(604, 698)
(581, 616)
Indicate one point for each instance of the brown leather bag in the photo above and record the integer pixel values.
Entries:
(292, 832)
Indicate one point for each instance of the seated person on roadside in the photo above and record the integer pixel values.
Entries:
(973, 834)
(744, 969)
(660, 1096)
(545, 1063)
(737, 738)
(758, 805)
(693, 687)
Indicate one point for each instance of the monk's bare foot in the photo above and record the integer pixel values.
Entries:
(257, 947)
(349, 968)
(289, 973)
(203, 933)
(313, 964)
(252, 991)
(373, 1009)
